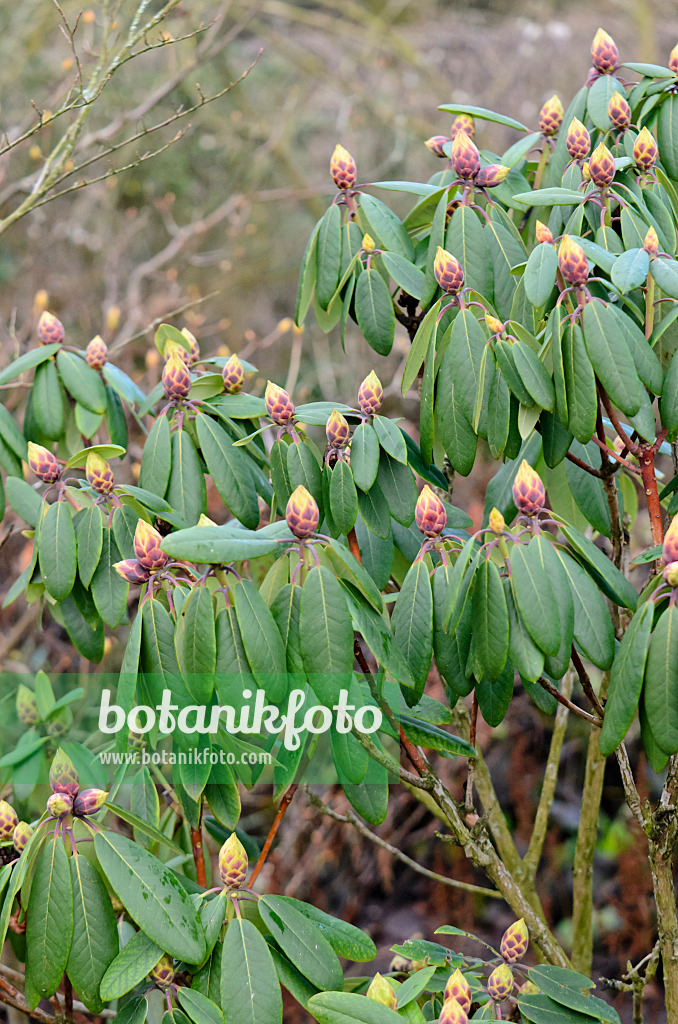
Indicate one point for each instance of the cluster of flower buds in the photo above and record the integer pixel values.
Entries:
(50, 329)
(572, 262)
(429, 513)
(66, 794)
(514, 941)
(619, 111)
(9, 820)
(465, 160)
(551, 116)
(458, 988)
(302, 514)
(232, 863)
(343, 168)
(149, 557)
(193, 353)
(670, 553)
(99, 473)
(96, 353)
(381, 992)
(651, 242)
(528, 491)
(337, 430)
(279, 405)
(45, 465)
(233, 375)
(176, 378)
(59, 804)
(370, 395)
(26, 706)
(22, 833)
(645, 151)
(462, 123)
(500, 983)
(448, 271)
(604, 53)
(601, 166)
(577, 141)
(162, 974)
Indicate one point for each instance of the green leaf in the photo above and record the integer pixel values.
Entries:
(399, 488)
(345, 939)
(592, 623)
(665, 273)
(434, 738)
(408, 277)
(109, 590)
(186, 489)
(598, 100)
(626, 679)
(49, 929)
(95, 933)
(90, 534)
(540, 273)
(565, 987)
(325, 634)
(156, 460)
(391, 438)
(580, 385)
(587, 490)
(364, 456)
(667, 136)
(57, 553)
(647, 364)
(152, 896)
(413, 623)
(523, 652)
(494, 696)
(47, 401)
(307, 278)
(370, 798)
(82, 382)
(385, 226)
(230, 472)
(343, 497)
(196, 646)
(458, 436)
(145, 827)
(86, 632)
(533, 375)
(419, 348)
(483, 114)
(301, 941)
(610, 357)
(136, 958)
(11, 435)
(464, 355)
(249, 983)
(540, 1009)
(303, 468)
(467, 240)
(374, 311)
(490, 620)
(24, 500)
(350, 1008)
(199, 1008)
(262, 641)
(223, 544)
(534, 597)
(27, 361)
(549, 197)
(144, 802)
(606, 575)
(630, 270)
(661, 681)
(328, 256)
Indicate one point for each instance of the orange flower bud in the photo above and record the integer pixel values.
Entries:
(147, 543)
(670, 574)
(572, 261)
(26, 706)
(233, 375)
(22, 833)
(132, 570)
(544, 234)
(496, 521)
(9, 820)
(670, 549)
(163, 973)
(463, 123)
(578, 140)
(279, 405)
(59, 804)
(494, 325)
(302, 513)
(380, 990)
(528, 490)
(429, 513)
(89, 801)
(491, 176)
(99, 473)
(448, 271)
(515, 939)
(465, 156)
(500, 983)
(604, 52)
(194, 350)
(63, 778)
(435, 144)
(458, 988)
(343, 168)
(50, 329)
(618, 111)
(337, 430)
(96, 353)
(673, 60)
(232, 863)
(551, 116)
(601, 166)
(651, 243)
(645, 150)
(176, 379)
(43, 463)
(452, 1013)
(370, 395)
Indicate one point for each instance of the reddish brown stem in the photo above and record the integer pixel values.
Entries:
(353, 543)
(68, 999)
(199, 854)
(649, 476)
(586, 684)
(550, 688)
(282, 810)
(584, 465)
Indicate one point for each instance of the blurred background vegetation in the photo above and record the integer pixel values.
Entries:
(215, 226)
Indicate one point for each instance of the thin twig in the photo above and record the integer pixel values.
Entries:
(550, 688)
(282, 810)
(585, 681)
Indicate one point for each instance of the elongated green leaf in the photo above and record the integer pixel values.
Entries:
(661, 681)
(156, 460)
(647, 364)
(343, 497)
(24, 499)
(196, 646)
(419, 347)
(523, 652)
(541, 1009)
(580, 385)
(391, 438)
(82, 382)
(483, 114)
(345, 939)
(413, 623)
(506, 252)
(137, 957)
(409, 277)
(328, 256)
(534, 598)
(399, 488)
(89, 534)
(186, 488)
(145, 827)
(533, 375)
(490, 620)
(374, 311)
(301, 941)
(549, 197)
(262, 641)
(49, 929)
(249, 983)
(152, 896)
(326, 635)
(109, 590)
(199, 1008)
(458, 436)
(27, 361)
(593, 629)
(95, 933)
(626, 679)
(465, 351)
(434, 738)
(364, 456)
(467, 240)
(667, 134)
(370, 798)
(229, 469)
(57, 550)
(303, 468)
(540, 273)
(610, 580)
(385, 226)
(47, 402)
(307, 278)
(565, 987)
(350, 1008)
(665, 273)
(144, 802)
(630, 270)
(83, 625)
(224, 544)
(610, 357)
